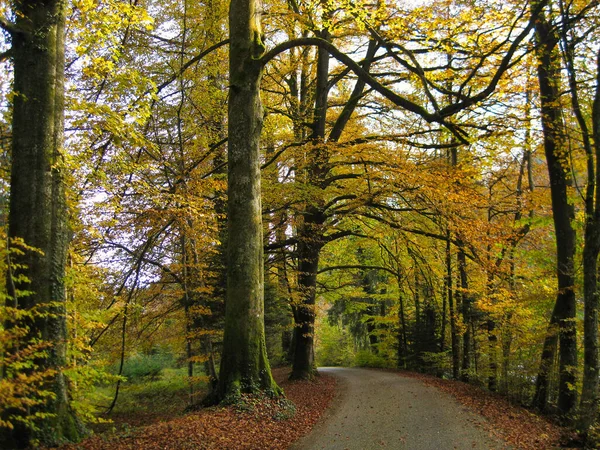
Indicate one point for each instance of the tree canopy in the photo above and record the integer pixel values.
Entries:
(216, 188)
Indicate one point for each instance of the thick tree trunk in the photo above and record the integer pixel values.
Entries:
(310, 233)
(589, 392)
(310, 230)
(38, 209)
(417, 300)
(591, 367)
(563, 215)
(303, 366)
(402, 338)
(244, 363)
(444, 318)
(506, 344)
(491, 332)
(286, 293)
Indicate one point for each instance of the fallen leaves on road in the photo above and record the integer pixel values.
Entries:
(259, 425)
(514, 424)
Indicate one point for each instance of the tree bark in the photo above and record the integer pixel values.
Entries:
(303, 366)
(588, 410)
(402, 339)
(493, 355)
(563, 215)
(455, 342)
(542, 382)
(591, 366)
(310, 231)
(244, 363)
(38, 208)
(466, 312)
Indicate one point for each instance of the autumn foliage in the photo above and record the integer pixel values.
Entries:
(425, 196)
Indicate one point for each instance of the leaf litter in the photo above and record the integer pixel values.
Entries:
(255, 424)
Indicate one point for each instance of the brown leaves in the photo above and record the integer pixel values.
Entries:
(262, 426)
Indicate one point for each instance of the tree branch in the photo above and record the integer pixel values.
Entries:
(340, 234)
(192, 61)
(10, 27)
(6, 55)
(161, 266)
(351, 266)
(280, 244)
(356, 68)
(365, 76)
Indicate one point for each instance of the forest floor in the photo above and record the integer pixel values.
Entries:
(268, 425)
(264, 424)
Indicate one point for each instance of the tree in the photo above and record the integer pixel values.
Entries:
(38, 208)
(244, 363)
(573, 29)
(555, 148)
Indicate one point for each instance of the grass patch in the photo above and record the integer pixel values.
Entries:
(146, 401)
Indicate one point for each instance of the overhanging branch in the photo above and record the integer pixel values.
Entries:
(352, 266)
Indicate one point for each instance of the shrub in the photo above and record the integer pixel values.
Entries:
(143, 366)
(334, 347)
(365, 358)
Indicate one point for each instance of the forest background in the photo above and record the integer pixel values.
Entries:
(424, 190)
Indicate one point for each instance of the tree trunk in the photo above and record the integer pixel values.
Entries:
(491, 325)
(466, 312)
(542, 383)
(591, 367)
(303, 366)
(38, 209)
(589, 392)
(310, 231)
(563, 214)
(493, 356)
(452, 311)
(444, 318)
(402, 339)
(244, 363)
(506, 343)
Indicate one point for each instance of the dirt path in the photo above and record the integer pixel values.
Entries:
(378, 409)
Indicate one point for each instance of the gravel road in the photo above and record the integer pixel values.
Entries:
(376, 409)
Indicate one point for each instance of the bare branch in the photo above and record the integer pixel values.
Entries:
(6, 55)
(348, 267)
(10, 27)
(191, 62)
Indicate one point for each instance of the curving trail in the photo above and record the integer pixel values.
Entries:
(377, 409)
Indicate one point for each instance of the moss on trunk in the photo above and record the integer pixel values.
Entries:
(244, 363)
(38, 209)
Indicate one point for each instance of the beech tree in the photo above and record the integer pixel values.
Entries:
(244, 363)
(38, 209)
(562, 329)
(575, 24)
